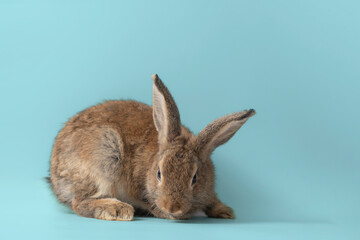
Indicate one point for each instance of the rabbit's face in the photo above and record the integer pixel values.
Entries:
(181, 179)
(179, 183)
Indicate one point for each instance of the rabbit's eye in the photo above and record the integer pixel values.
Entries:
(194, 179)
(159, 175)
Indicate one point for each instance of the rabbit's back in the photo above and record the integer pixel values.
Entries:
(131, 118)
(102, 147)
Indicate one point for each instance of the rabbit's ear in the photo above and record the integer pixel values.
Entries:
(165, 112)
(219, 132)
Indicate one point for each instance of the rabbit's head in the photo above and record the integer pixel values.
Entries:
(181, 179)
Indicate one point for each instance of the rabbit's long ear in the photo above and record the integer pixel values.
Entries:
(219, 132)
(165, 112)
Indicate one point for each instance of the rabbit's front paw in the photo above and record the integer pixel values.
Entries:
(114, 211)
(220, 210)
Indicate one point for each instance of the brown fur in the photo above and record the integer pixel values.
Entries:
(106, 159)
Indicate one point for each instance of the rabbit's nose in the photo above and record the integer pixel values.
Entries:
(175, 209)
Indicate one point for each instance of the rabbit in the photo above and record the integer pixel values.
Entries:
(120, 157)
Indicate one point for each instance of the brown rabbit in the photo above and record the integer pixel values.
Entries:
(120, 156)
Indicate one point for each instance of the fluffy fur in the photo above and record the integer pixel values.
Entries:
(119, 157)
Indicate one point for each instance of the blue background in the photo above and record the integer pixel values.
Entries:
(291, 172)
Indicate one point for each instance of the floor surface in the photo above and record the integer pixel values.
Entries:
(30, 211)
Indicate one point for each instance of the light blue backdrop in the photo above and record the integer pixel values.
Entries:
(296, 62)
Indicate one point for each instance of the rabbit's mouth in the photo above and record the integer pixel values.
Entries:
(174, 216)
(177, 216)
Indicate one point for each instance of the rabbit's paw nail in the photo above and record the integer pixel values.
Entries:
(115, 212)
(126, 214)
(225, 214)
